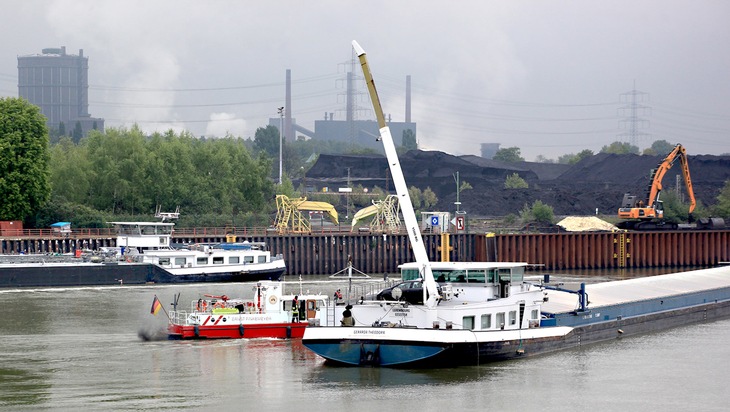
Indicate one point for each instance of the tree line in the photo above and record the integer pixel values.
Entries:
(123, 174)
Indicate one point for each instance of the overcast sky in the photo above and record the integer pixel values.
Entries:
(549, 77)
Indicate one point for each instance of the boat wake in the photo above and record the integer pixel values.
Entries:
(149, 333)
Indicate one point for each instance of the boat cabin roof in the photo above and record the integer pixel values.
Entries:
(141, 223)
(465, 265)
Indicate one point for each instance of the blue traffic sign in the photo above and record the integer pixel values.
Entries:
(434, 220)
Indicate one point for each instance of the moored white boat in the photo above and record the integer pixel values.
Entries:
(145, 254)
(150, 242)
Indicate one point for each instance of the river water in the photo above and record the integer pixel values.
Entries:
(79, 349)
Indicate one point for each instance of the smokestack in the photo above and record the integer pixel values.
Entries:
(408, 98)
(288, 130)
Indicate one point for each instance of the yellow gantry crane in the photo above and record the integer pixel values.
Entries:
(385, 214)
(289, 216)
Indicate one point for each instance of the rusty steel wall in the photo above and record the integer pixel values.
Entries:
(616, 250)
(326, 254)
(371, 254)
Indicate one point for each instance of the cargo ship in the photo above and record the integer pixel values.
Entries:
(471, 313)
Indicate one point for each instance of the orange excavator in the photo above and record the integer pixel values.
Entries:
(649, 214)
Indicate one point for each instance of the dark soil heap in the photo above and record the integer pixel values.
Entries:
(598, 182)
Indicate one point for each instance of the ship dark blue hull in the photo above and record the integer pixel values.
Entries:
(418, 354)
(102, 274)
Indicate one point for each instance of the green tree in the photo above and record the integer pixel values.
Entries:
(429, 198)
(69, 172)
(409, 140)
(539, 212)
(61, 129)
(514, 181)
(415, 194)
(572, 158)
(662, 147)
(24, 174)
(542, 159)
(508, 154)
(620, 148)
(583, 154)
(722, 208)
(267, 140)
(78, 132)
(676, 210)
(542, 212)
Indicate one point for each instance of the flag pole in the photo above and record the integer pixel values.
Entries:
(162, 307)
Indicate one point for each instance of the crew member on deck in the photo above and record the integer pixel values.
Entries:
(295, 309)
(338, 296)
(347, 319)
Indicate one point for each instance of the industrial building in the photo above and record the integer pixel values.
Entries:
(58, 83)
(363, 133)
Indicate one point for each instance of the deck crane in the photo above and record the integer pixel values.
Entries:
(649, 214)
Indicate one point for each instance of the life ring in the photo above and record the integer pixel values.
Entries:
(272, 300)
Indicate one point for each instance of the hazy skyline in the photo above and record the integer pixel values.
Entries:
(547, 77)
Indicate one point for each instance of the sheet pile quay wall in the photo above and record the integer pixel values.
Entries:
(377, 253)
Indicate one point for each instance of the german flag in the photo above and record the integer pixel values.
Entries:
(156, 306)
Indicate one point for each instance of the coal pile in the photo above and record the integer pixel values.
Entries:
(597, 182)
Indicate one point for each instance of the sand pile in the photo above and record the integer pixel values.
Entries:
(586, 224)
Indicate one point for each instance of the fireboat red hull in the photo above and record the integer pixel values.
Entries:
(241, 331)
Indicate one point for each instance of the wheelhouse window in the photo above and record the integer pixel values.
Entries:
(468, 322)
(202, 261)
(179, 261)
(500, 320)
(458, 276)
(476, 276)
(442, 275)
(233, 260)
(218, 260)
(492, 276)
(410, 274)
(513, 317)
(505, 274)
(487, 321)
(248, 259)
(164, 261)
(534, 314)
(262, 259)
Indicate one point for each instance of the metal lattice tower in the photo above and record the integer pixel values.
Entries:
(631, 111)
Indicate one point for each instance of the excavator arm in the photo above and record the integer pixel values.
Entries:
(653, 209)
(680, 153)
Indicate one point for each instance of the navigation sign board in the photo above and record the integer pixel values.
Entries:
(459, 222)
